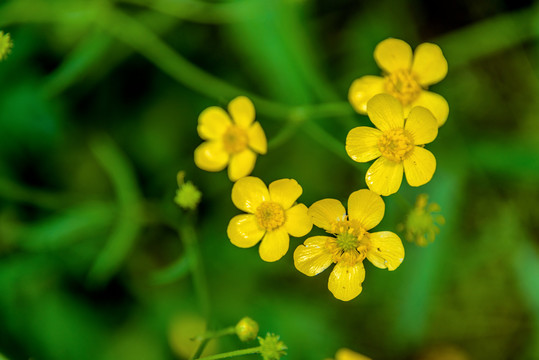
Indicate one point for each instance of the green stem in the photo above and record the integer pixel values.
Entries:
(14, 191)
(188, 236)
(218, 333)
(235, 353)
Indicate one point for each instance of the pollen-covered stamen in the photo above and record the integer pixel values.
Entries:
(235, 139)
(396, 144)
(349, 244)
(270, 215)
(403, 85)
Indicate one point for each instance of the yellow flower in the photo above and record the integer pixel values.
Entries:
(396, 144)
(272, 216)
(230, 142)
(406, 77)
(351, 245)
(347, 354)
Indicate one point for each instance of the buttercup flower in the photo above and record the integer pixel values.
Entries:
(347, 354)
(351, 245)
(272, 216)
(406, 77)
(230, 142)
(397, 144)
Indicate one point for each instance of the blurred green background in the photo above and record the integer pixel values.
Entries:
(98, 112)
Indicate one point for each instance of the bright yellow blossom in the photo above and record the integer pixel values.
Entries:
(347, 354)
(396, 143)
(406, 77)
(351, 245)
(234, 142)
(272, 216)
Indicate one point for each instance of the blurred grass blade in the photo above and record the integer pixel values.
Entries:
(174, 272)
(71, 226)
(128, 225)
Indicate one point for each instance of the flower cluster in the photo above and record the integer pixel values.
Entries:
(406, 116)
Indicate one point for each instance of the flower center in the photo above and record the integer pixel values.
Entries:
(396, 144)
(270, 215)
(349, 244)
(403, 85)
(235, 139)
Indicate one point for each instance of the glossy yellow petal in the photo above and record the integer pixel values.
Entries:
(274, 245)
(435, 103)
(367, 207)
(393, 54)
(248, 193)
(422, 125)
(429, 64)
(384, 177)
(419, 167)
(243, 231)
(324, 212)
(385, 250)
(362, 143)
(257, 138)
(211, 156)
(312, 257)
(241, 164)
(242, 111)
(285, 192)
(345, 281)
(385, 112)
(298, 222)
(347, 354)
(212, 123)
(363, 89)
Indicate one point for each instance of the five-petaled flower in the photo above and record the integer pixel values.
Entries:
(396, 144)
(351, 245)
(406, 77)
(272, 216)
(234, 142)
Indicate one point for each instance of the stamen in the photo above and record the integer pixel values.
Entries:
(270, 215)
(235, 139)
(396, 144)
(403, 85)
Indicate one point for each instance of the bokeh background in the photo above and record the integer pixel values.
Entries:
(98, 112)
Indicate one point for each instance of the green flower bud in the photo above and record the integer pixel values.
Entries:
(271, 347)
(5, 45)
(247, 329)
(421, 225)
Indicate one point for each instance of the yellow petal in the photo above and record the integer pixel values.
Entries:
(312, 257)
(429, 64)
(241, 164)
(345, 281)
(257, 138)
(242, 111)
(248, 193)
(384, 177)
(274, 245)
(422, 125)
(298, 222)
(362, 143)
(385, 112)
(243, 231)
(347, 354)
(324, 212)
(285, 192)
(211, 156)
(419, 167)
(385, 250)
(367, 207)
(212, 123)
(392, 55)
(363, 89)
(435, 103)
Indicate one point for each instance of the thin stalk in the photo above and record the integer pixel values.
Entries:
(235, 353)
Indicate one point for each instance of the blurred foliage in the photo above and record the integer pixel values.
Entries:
(98, 113)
